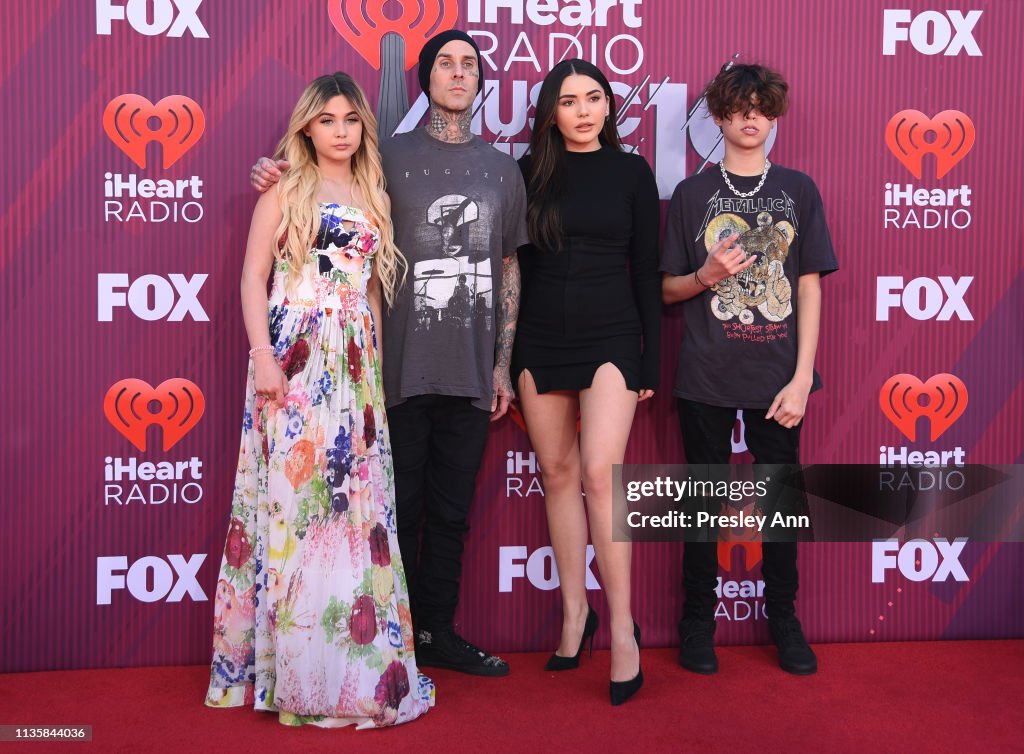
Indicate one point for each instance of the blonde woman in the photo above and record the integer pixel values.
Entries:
(312, 611)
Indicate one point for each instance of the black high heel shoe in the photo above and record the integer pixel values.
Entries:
(558, 662)
(620, 691)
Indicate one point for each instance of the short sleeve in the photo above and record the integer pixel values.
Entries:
(816, 251)
(675, 256)
(513, 226)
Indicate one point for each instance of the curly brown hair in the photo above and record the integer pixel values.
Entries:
(745, 86)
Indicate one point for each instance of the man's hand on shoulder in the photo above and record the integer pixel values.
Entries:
(265, 173)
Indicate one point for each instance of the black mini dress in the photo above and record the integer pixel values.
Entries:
(598, 298)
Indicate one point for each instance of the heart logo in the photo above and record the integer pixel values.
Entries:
(904, 399)
(751, 552)
(363, 24)
(126, 120)
(126, 407)
(952, 132)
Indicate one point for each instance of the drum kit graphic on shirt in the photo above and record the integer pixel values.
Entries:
(452, 290)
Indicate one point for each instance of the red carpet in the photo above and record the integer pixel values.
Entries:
(929, 696)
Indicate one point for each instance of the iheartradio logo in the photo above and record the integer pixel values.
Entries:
(127, 120)
(910, 135)
(751, 553)
(364, 24)
(127, 407)
(904, 399)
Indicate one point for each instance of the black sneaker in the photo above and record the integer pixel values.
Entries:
(795, 655)
(446, 649)
(697, 646)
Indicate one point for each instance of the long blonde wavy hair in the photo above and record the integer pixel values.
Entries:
(298, 189)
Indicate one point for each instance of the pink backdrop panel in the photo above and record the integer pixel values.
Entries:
(121, 255)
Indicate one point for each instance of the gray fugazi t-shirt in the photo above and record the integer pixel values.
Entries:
(458, 209)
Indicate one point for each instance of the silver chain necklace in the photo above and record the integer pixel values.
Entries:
(744, 194)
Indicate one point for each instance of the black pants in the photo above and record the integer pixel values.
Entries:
(437, 443)
(707, 439)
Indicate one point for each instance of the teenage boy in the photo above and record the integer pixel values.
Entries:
(459, 211)
(745, 247)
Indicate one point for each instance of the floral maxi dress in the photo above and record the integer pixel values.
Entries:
(311, 617)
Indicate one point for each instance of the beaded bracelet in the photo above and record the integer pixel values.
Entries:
(257, 349)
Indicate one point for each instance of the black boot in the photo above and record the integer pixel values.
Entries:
(795, 656)
(697, 646)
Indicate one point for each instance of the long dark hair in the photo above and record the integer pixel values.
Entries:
(546, 180)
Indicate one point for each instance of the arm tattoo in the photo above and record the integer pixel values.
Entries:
(508, 310)
(451, 126)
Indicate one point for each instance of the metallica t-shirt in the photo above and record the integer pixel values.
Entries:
(739, 347)
(458, 209)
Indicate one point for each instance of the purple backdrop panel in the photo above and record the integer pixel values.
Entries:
(113, 531)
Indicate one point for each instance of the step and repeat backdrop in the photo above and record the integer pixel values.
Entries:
(129, 132)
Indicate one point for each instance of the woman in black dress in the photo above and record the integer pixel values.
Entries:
(587, 340)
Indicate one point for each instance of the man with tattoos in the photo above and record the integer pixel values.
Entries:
(458, 207)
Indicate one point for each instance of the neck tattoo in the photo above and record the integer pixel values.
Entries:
(450, 126)
(744, 194)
